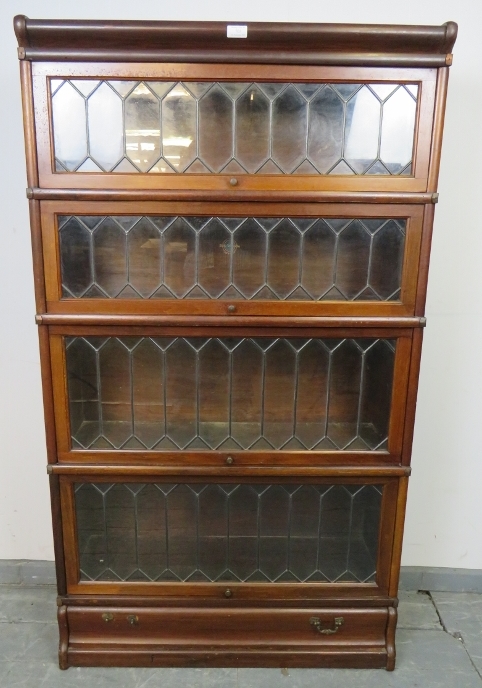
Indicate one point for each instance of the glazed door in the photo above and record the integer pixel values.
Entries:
(229, 537)
(276, 397)
(211, 127)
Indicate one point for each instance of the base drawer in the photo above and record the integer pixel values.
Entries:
(139, 636)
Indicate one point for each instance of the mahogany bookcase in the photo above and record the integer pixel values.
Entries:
(231, 230)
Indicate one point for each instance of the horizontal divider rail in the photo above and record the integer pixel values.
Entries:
(271, 196)
(144, 472)
(196, 321)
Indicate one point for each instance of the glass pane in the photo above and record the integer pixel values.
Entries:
(142, 128)
(179, 129)
(362, 130)
(216, 126)
(228, 532)
(106, 136)
(69, 123)
(325, 135)
(258, 393)
(144, 253)
(179, 254)
(397, 130)
(233, 128)
(252, 129)
(75, 257)
(289, 129)
(232, 258)
(284, 244)
(110, 265)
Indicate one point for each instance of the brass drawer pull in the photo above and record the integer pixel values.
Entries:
(133, 619)
(316, 622)
(107, 616)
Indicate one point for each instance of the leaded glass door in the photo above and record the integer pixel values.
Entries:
(248, 535)
(363, 129)
(256, 258)
(270, 398)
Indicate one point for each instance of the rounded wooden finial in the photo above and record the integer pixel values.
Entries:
(20, 28)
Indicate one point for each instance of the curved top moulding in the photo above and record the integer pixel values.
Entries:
(268, 43)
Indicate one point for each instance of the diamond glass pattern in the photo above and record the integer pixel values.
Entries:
(228, 532)
(164, 394)
(233, 128)
(231, 258)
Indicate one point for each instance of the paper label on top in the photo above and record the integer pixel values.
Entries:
(237, 31)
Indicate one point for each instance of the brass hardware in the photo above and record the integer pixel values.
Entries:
(435, 198)
(231, 308)
(233, 181)
(229, 460)
(133, 619)
(423, 322)
(21, 53)
(316, 622)
(29, 192)
(107, 616)
(228, 593)
(49, 468)
(449, 59)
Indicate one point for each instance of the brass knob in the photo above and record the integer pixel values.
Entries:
(107, 617)
(229, 460)
(231, 308)
(233, 181)
(227, 593)
(133, 619)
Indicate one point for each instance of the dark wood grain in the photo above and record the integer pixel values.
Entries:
(398, 536)
(195, 322)
(438, 125)
(149, 472)
(266, 42)
(56, 512)
(391, 627)
(226, 195)
(63, 636)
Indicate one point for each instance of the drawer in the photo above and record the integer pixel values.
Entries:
(225, 637)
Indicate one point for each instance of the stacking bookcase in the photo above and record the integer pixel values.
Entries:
(231, 231)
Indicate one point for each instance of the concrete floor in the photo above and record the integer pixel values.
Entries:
(439, 644)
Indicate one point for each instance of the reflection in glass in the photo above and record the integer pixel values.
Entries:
(252, 129)
(142, 128)
(214, 393)
(397, 131)
(237, 532)
(362, 130)
(179, 130)
(325, 135)
(232, 258)
(233, 128)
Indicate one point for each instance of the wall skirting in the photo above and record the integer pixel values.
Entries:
(439, 579)
(435, 579)
(27, 572)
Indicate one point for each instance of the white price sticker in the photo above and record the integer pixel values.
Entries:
(237, 31)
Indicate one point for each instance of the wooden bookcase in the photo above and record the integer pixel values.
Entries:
(231, 240)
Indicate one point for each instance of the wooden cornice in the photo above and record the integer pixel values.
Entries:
(266, 43)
